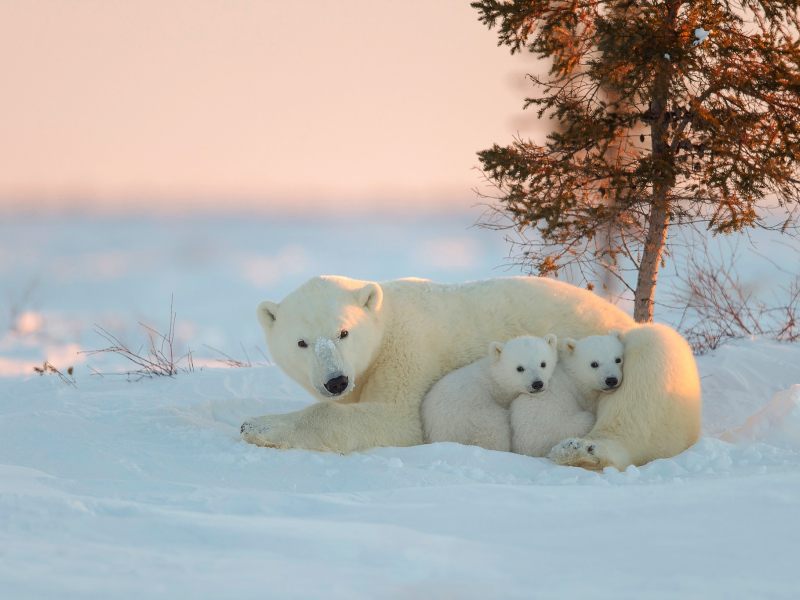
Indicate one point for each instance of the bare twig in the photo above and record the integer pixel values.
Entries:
(269, 362)
(47, 368)
(158, 361)
(17, 304)
(718, 308)
(238, 364)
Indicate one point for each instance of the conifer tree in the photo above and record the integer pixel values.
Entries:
(669, 112)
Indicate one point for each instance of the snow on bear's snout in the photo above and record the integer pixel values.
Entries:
(324, 334)
(335, 374)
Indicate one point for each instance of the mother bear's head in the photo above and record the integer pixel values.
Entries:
(325, 333)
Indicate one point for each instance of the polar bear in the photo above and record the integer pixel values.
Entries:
(370, 352)
(594, 365)
(470, 405)
(587, 369)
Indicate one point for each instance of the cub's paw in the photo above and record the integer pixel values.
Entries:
(579, 453)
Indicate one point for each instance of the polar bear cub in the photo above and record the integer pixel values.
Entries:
(567, 408)
(469, 405)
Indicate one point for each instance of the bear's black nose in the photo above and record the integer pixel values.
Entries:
(537, 385)
(611, 382)
(337, 385)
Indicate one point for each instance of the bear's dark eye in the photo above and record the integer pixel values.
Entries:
(302, 344)
(343, 334)
(595, 365)
(544, 365)
(520, 369)
(618, 360)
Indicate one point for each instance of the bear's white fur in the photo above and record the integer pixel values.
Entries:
(594, 365)
(405, 335)
(469, 405)
(587, 369)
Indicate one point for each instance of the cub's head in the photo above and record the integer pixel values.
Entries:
(596, 361)
(325, 333)
(525, 364)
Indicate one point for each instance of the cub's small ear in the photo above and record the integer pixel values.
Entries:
(495, 350)
(617, 334)
(569, 345)
(370, 297)
(266, 312)
(551, 340)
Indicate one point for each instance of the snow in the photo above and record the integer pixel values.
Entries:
(777, 424)
(144, 489)
(326, 351)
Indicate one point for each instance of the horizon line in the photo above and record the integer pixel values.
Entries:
(242, 205)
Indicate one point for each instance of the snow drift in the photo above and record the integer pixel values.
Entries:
(777, 424)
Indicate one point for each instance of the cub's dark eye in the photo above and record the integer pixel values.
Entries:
(595, 365)
(544, 365)
(618, 360)
(302, 344)
(343, 334)
(520, 369)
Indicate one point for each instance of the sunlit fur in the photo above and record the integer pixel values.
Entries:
(566, 408)
(653, 414)
(420, 331)
(469, 405)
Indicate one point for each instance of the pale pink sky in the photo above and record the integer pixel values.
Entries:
(357, 103)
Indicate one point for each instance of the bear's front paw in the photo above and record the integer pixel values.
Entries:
(268, 431)
(578, 453)
(248, 427)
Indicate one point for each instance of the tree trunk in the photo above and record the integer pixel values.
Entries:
(658, 219)
(651, 260)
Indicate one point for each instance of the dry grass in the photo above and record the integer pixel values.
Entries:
(238, 364)
(718, 307)
(20, 304)
(47, 368)
(156, 359)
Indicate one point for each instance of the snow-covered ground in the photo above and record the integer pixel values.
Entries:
(144, 489)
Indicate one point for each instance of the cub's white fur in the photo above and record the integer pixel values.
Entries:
(469, 405)
(405, 335)
(566, 408)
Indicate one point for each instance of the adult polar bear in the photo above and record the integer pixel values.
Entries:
(369, 353)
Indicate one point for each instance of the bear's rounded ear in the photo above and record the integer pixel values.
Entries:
(569, 345)
(495, 350)
(617, 334)
(551, 340)
(266, 312)
(370, 297)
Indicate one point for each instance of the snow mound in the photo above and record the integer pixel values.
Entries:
(777, 424)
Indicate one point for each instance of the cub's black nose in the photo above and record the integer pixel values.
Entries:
(537, 385)
(611, 382)
(337, 385)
